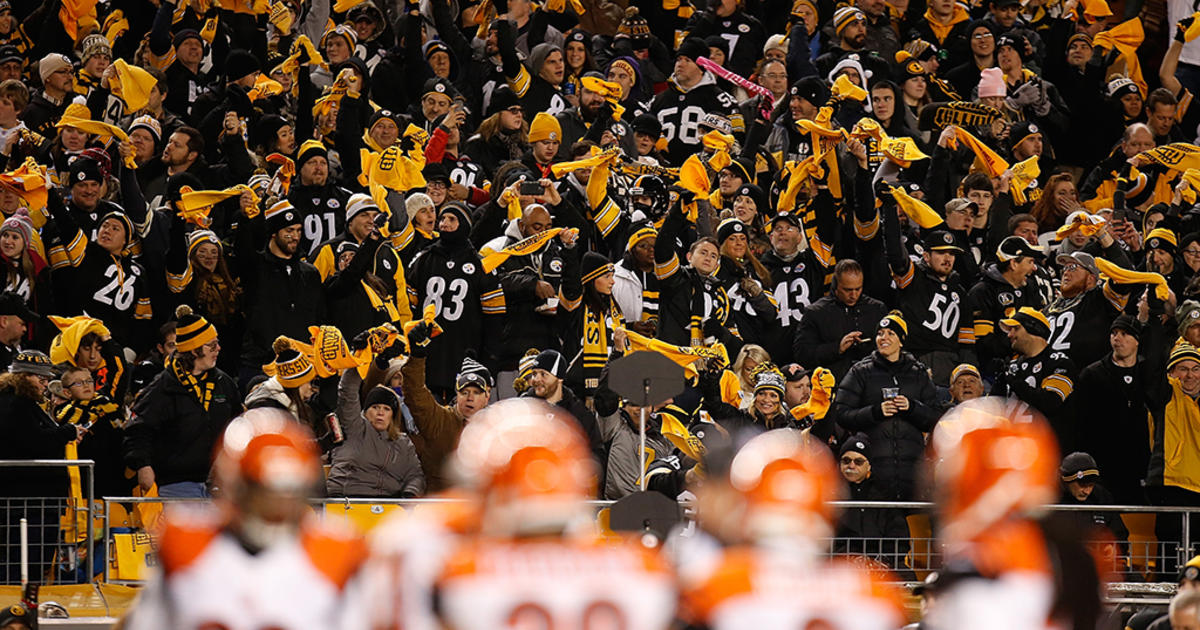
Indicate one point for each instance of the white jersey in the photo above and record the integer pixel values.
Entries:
(208, 580)
(556, 584)
(761, 589)
(408, 553)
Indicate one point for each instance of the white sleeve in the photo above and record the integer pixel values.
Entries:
(628, 295)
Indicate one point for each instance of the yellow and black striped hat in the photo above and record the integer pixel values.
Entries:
(192, 331)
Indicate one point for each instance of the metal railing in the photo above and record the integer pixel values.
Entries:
(1141, 567)
(32, 526)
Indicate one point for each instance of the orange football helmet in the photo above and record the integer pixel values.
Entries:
(787, 482)
(267, 448)
(531, 464)
(993, 459)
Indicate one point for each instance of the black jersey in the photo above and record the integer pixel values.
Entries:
(322, 212)
(992, 299)
(938, 310)
(680, 113)
(464, 298)
(1079, 325)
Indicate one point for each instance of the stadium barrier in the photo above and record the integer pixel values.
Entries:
(53, 534)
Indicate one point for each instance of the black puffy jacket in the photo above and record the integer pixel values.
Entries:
(897, 443)
(173, 433)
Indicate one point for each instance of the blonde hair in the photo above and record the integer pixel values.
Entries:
(749, 351)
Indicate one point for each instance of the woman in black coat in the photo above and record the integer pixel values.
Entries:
(890, 397)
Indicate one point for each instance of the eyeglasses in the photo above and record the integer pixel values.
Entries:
(1191, 252)
(854, 461)
(87, 382)
(775, 75)
(982, 36)
(435, 185)
(215, 344)
(515, 109)
(1070, 267)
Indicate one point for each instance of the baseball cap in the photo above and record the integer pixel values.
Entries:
(1015, 247)
(941, 240)
(1031, 319)
(1083, 259)
(13, 304)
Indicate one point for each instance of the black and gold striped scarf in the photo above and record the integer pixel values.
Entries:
(201, 386)
(597, 340)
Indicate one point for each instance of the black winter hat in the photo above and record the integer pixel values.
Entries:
(811, 89)
(857, 443)
(267, 128)
(693, 48)
(551, 361)
(85, 170)
(647, 124)
(380, 395)
(459, 212)
(503, 98)
(240, 64)
(594, 265)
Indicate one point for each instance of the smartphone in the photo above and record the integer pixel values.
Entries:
(530, 188)
(1119, 214)
(890, 393)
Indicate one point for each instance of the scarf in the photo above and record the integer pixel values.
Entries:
(217, 299)
(1177, 156)
(683, 356)
(1125, 38)
(986, 159)
(200, 386)
(492, 260)
(821, 397)
(1121, 275)
(598, 326)
(916, 210)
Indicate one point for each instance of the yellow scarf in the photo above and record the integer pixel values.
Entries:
(524, 247)
(799, 173)
(684, 356)
(1024, 173)
(903, 151)
(1177, 156)
(97, 128)
(196, 204)
(132, 85)
(916, 210)
(1120, 275)
(1088, 224)
(1125, 37)
(596, 336)
(986, 159)
(821, 397)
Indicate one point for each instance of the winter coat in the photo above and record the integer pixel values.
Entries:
(880, 534)
(283, 297)
(1113, 403)
(27, 432)
(174, 434)
(624, 447)
(897, 443)
(824, 324)
(368, 463)
(438, 426)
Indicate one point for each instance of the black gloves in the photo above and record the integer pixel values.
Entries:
(418, 340)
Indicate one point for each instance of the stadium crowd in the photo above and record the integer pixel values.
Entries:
(844, 220)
